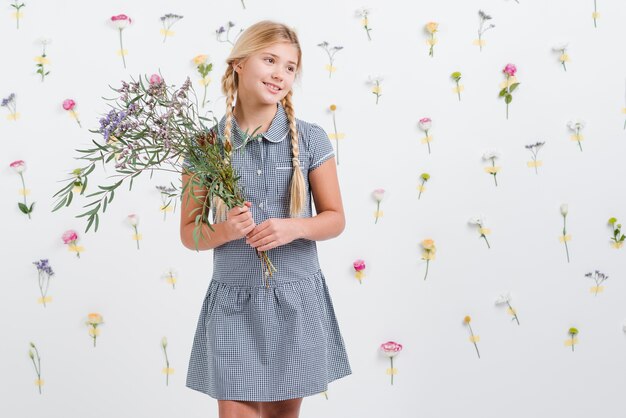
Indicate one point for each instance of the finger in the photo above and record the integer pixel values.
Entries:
(255, 238)
(268, 246)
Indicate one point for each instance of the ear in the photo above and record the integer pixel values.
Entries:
(236, 66)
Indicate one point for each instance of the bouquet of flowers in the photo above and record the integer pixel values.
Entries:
(153, 126)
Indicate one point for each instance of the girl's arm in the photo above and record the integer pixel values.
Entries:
(238, 224)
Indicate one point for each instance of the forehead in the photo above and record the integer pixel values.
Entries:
(283, 51)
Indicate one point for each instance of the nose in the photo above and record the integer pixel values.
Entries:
(277, 74)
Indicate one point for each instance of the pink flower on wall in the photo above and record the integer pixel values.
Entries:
(121, 22)
(359, 269)
(70, 237)
(391, 349)
(69, 104)
(509, 85)
(19, 166)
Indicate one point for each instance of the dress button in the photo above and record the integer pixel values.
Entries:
(261, 204)
(259, 139)
(259, 172)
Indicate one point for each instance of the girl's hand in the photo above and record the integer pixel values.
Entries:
(239, 222)
(272, 233)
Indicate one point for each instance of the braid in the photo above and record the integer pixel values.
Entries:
(296, 192)
(228, 87)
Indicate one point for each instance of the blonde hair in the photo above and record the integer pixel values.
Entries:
(254, 39)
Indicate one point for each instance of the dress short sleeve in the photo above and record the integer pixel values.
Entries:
(320, 147)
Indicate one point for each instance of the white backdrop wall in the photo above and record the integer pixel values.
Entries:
(523, 370)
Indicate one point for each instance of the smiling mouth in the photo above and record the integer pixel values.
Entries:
(273, 87)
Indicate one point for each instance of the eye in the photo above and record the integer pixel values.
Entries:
(269, 58)
(292, 69)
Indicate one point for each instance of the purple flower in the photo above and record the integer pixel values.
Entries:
(43, 266)
(8, 100)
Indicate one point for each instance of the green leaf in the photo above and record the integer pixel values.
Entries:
(23, 208)
(513, 86)
(59, 205)
(69, 198)
(508, 98)
(91, 219)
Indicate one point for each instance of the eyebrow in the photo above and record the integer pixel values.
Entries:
(276, 56)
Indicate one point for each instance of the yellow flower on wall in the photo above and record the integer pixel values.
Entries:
(431, 28)
(94, 320)
(429, 253)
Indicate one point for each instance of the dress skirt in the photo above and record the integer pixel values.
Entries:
(258, 343)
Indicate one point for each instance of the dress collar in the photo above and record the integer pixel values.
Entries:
(278, 130)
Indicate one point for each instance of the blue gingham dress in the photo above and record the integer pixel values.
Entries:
(256, 343)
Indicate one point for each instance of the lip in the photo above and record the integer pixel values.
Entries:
(278, 87)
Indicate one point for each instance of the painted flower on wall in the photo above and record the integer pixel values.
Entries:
(618, 237)
(168, 20)
(563, 55)
(363, 13)
(505, 299)
(45, 272)
(576, 126)
(374, 83)
(222, 32)
(42, 59)
(378, 195)
(69, 105)
(491, 156)
(19, 166)
(32, 354)
(359, 270)
(425, 124)
(431, 28)
(330, 51)
(94, 320)
(9, 103)
(473, 337)
(483, 27)
(391, 349)
(598, 277)
(534, 150)
(456, 76)
(121, 22)
(480, 222)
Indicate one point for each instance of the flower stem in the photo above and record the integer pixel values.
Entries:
(458, 90)
(595, 11)
(485, 237)
(422, 186)
(24, 189)
(565, 239)
(377, 211)
(136, 235)
(473, 340)
(336, 137)
(427, 261)
(514, 313)
(391, 358)
(122, 49)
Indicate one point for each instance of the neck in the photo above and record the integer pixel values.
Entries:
(251, 116)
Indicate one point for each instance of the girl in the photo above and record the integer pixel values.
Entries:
(263, 343)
